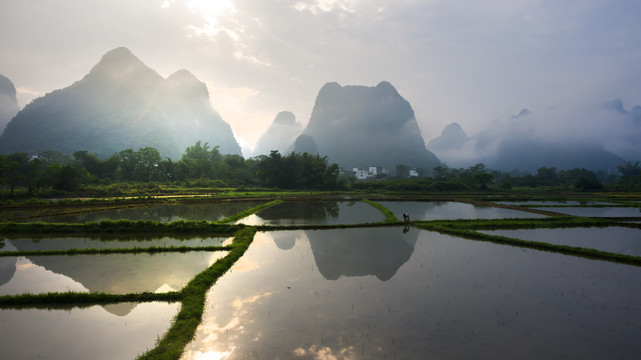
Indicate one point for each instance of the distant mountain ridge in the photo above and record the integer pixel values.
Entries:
(529, 141)
(120, 104)
(360, 126)
(280, 135)
(8, 102)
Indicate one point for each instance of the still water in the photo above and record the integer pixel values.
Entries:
(554, 203)
(450, 210)
(88, 333)
(614, 239)
(106, 241)
(315, 213)
(115, 273)
(597, 211)
(385, 293)
(213, 211)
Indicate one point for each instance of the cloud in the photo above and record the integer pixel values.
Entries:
(468, 63)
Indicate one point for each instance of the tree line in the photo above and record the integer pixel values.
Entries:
(200, 165)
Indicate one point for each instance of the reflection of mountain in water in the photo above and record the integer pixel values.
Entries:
(7, 264)
(285, 240)
(306, 210)
(128, 273)
(360, 252)
(121, 273)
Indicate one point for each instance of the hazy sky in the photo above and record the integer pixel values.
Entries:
(455, 61)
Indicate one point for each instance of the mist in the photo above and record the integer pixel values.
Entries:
(608, 129)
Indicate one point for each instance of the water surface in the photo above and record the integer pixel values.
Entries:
(450, 210)
(439, 297)
(554, 203)
(106, 241)
(614, 239)
(315, 213)
(114, 273)
(211, 211)
(597, 211)
(88, 333)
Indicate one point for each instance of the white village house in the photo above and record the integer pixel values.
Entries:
(368, 174)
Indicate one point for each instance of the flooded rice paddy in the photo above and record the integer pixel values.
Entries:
(450, 210)
(614, 212)
(614, 239)
(555, 203)
(315, 213)
(359, 293)
(105, 242)
(213, 211)
(89, 333)
(114, 273)
(324, 295)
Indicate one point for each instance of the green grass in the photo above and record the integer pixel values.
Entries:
(192, 296)
(67, 300)
(134, 250)
(389, 216)
(120, 226)
(244, 214)
(468, 229)
(193, 302)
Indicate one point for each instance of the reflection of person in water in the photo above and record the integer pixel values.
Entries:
(406, 218)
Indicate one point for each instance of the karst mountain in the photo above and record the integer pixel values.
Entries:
(121, 104)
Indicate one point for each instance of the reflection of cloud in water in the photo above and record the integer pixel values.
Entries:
(229, 330)
(325, 353)
(360, 252)
(32, 278)
(122, 273)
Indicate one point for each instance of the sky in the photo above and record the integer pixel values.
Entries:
(469, 62)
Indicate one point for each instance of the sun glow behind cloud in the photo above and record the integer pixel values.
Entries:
(212, 12)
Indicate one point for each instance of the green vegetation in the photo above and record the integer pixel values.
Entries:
(467, 229)
(389, 216)
(67, 300)
(203, 170)
(193, 301)
(119, 226)
(244, 214)
(134, 250)
(192, 296)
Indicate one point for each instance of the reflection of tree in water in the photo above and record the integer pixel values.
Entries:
(162, 213)
(360, 252)
(309, 210)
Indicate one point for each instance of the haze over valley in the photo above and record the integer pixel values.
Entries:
(513, 86)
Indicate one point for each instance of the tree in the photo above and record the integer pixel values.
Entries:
(402, 171)
(146, 168)
(482, 179)
(16, 170)
(440, 173)
(33, 175)
(587, 184)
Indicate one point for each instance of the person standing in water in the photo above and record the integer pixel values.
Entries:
(406, 217)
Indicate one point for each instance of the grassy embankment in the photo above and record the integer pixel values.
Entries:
(469, 229)
(192, 297)
(193, 301)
